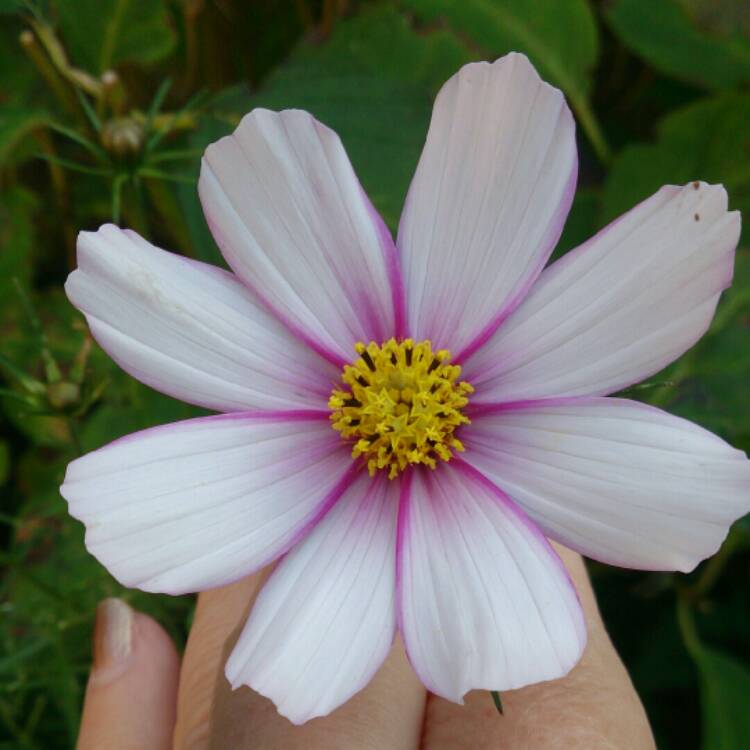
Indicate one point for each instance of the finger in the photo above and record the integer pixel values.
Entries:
(594, 706)
(388, 713)
(132, 690)
(218, 614)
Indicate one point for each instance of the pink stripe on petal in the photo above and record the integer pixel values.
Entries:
(481, 410)
(325, 620)
(616, 480)
(484, 602)
(469, 471)
(290, 217)
(201, 503)
(401, 533)
(190, 330)
(487, 201)
(315, 343)
(332, 498)
(618, 308)
(548, 244)
(393, 265)
(258, 417)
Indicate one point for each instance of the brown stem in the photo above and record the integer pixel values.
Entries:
(59, 58)
(62, 196)
(51, 77)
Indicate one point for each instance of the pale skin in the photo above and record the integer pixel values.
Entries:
(145, 699)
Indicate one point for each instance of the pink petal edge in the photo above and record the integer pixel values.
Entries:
(306, 338)
(393, 268)
(550, 242)
(504, 500)
(283, 415)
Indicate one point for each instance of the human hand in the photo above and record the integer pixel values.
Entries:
(139, 698)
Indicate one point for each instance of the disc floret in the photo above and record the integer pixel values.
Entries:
(400, 403)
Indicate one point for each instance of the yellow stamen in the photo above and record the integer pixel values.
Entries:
(399, 404)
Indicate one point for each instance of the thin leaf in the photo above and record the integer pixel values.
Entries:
(91, 115)
(195, 102)
(155, 107)
(73, 166)
(32, 385)
(89, 145)
(158, 174)
(8, 393)
(175, 155)
(51, 369)
(117, 184)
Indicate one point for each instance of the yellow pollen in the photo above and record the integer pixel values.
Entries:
(399, 403)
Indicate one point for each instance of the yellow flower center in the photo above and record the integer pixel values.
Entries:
(400, 403)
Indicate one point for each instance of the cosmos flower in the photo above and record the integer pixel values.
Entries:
(403, 425)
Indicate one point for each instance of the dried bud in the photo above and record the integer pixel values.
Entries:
(63, 394)
(123, 137)
(110, 78)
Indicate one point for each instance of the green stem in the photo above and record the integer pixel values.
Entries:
(117, 184)
(713, 568)
(687, 627)
(75, 435)
(62, 195)
(664, 396)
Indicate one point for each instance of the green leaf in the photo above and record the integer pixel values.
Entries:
(18, 78)
(17, 207)
(560, 39)
(11, 6)
(693, 40)
(4, 461)
(100, 34)
(725, 688)
(708, 140)
(379, 104)
(16, 124)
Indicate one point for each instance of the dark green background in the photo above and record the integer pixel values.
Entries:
(660, 90)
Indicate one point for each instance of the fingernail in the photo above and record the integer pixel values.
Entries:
(113, 634)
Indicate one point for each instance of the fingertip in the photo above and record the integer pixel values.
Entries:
(157, 644)
(132, 689)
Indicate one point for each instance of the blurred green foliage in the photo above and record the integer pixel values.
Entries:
(105, 107)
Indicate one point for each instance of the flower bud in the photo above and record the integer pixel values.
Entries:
(122, 137)
(63, 393)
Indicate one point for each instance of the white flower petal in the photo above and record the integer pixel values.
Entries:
(484, 601)
(619, 307)
(191, 330)
(617, 480)
(488, 201)
(201, 503)
(325, 620)
(291, 219)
